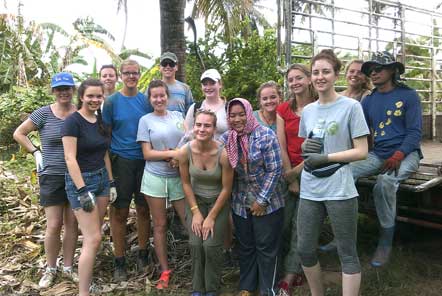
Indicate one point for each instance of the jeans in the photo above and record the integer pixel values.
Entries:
(384, 191)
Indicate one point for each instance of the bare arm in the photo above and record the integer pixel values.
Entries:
(150, 154)
(108, 165)
(280, 132)
(21, 134)
(70, 156)
(358, 152)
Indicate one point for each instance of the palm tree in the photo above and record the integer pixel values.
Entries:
(172, 31)
(122, 4)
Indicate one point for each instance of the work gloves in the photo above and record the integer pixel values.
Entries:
(311, 146)
(86, 199)
(38, 160)
(112, 191)
(393, 163)
(315, 160)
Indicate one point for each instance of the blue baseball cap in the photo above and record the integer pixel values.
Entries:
(62, 79)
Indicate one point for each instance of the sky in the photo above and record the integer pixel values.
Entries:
(144, 19)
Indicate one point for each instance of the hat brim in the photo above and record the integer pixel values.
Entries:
(368, 65)
(62, 83)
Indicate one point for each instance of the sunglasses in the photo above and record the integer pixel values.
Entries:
(168, 63)
(376, 69)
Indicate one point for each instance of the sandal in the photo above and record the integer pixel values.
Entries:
(163, 282)
(298, 281)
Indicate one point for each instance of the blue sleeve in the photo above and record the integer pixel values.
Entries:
(272, 166)
(413, 124)
(107, 111)
(365, 107)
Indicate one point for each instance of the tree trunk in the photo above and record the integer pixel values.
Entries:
(172, 31)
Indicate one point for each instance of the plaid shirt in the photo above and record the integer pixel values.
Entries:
(264, 177)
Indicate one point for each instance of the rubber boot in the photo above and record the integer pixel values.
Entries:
(314, 279)
(330, 247)
(351, 284)
(383, 250)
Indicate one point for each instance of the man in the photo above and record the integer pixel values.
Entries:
(394, 116)
(121, 112)
(180, 96)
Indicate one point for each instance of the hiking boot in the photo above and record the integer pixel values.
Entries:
(120, 272)
(48, 278)
(69, 273)
(142, 259)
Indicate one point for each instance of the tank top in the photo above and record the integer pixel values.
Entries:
(205, 183)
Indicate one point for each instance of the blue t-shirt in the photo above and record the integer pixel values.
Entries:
(122, 114)
(395, 118)
(91, 145)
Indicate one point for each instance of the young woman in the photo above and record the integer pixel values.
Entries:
(109, 77)
(335, 134)
(207, 183)
(159, 133)
(288, 117)
(257, 196)
(51, 168)
(358, 84)
(269, 96)
(89, 176)
(211, 86)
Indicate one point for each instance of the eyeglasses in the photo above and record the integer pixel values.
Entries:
(134, 74)
(171, 64)
(376, 69)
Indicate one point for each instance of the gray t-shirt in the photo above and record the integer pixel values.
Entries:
(163, 133)
(221, 119)
(344, 121)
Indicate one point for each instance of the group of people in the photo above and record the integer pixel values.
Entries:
(271, 175)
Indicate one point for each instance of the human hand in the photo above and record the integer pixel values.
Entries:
(86, 199)
(311, 146)
(257, 209)
(112, 191)
(197, 222)
(393, 163)
(314, 160)
(208, 226)
(38, 160)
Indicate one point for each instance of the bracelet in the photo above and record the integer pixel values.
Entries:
(194, 208)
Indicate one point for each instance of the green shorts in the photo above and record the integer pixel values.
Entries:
(162, 187)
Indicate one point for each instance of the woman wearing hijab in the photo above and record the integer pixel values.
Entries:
(257, 196)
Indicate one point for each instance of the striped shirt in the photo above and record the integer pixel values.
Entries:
(49, 128)
(263, 178)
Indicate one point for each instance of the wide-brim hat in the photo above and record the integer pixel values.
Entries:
(385, 59)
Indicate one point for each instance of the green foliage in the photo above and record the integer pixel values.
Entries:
(244, 65)
(16, 106)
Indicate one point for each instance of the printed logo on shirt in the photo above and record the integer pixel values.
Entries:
(332, 128)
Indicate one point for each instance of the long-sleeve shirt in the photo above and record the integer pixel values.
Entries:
(263, 178)
(395, 118)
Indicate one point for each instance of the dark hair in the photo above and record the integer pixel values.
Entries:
(109, 66)
(311, 90)
(329, 56)
(366, 85)
(157, 83)
(81, 90)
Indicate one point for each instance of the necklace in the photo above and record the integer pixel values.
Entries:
(266, 120)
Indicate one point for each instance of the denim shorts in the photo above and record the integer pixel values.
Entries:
(96, 182)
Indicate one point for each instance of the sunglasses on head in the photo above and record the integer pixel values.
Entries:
(166, 63)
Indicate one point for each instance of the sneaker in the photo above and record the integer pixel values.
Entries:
(48, 278)
(196, 293)
(142, 259)
(330, 247)
(163, 282)
(69, 273)
(210, 294)
(283, 289)
(120, 272)
(381, 256)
